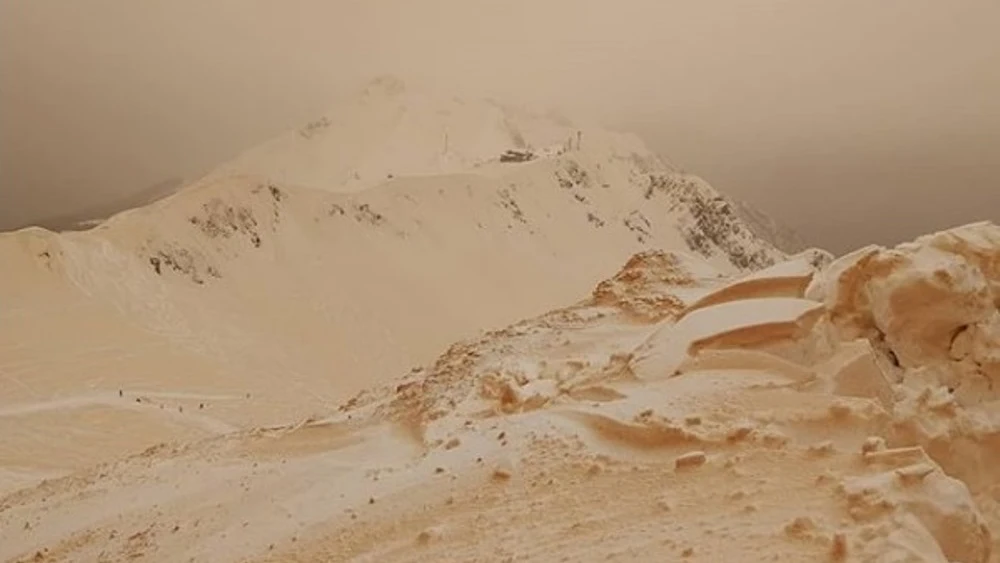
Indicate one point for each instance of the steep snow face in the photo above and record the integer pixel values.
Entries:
(709, 222)
(933, 303)
(391, 132)
(785, 279)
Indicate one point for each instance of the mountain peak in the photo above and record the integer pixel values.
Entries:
(393, 130)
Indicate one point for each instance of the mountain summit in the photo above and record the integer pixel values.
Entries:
(390, 130)
(158, 362)
(343, 253)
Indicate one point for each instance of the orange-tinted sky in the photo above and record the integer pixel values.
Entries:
(851, 121)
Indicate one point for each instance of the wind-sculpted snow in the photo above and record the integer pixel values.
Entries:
(273, 278)
(225, 375)
(770, 421)
(931, 304)
(796, 427)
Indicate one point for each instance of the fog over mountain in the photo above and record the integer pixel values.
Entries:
(881, 115)
(478, 281)
(427, 329)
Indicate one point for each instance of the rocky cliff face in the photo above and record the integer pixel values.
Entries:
(864, 389)
(712, 222)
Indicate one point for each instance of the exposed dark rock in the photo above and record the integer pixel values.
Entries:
(314, 127)
(714, 221)
(225, 221)
(638, 224)
(276, 193)
(363, 213)
(182, 261)
(572, 175)
(517, 156)
(508, 202)
(595, 220)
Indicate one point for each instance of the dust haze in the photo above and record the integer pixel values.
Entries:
(852, 122)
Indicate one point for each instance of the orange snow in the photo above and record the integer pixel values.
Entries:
(226, 375)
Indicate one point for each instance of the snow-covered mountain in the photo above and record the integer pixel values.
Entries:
(332, 258)
(384, 337)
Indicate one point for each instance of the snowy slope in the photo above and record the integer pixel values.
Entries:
(625, 427)
(242, 287)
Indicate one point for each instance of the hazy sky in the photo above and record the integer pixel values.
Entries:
(850, 121)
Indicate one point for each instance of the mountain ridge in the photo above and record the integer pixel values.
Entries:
(241, 286)
(477, 334)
